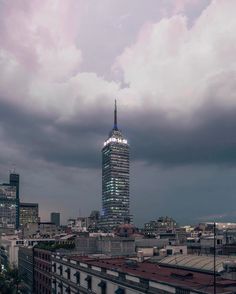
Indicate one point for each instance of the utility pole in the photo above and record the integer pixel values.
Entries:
(214, 258)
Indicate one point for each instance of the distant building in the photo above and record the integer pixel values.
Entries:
(8, 207)
(55, 218)
(161, 225)
(93, 221)
(115, 179)
(14, 180)
(29, 213)
(80, 224)
(41, 229)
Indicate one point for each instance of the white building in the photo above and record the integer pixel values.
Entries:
(77, 274)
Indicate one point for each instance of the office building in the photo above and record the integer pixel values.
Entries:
(29, 213)
(55, 218)
(14, 180)
(8, 207)
(115, 178)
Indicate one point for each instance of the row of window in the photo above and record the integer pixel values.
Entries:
(43, 267)
(42, 279)
(102, 284)
(42, 255)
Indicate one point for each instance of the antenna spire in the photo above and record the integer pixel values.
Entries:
(115, 117)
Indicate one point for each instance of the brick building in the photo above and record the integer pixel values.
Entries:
(42, 271)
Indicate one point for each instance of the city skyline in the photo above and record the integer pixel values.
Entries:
(172, 66)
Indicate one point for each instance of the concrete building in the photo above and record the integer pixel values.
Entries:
(41, 229)
(55, 218)
(115, 179)
(86, 245)
(9, 247)
(29, 213)
(111, 246)
(10, 244)
(116, 246)
(77, 274)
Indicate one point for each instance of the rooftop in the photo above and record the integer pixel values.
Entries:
(196, 262)
(167, 275)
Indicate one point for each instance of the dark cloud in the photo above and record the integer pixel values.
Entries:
(207, 138)
(210, 140)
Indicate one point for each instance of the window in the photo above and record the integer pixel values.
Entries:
(60, 285)
(68, 273)
(77, 275)
(103, 287)
(60, 269)
(89, 281)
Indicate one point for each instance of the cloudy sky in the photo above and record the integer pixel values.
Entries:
(172, 66)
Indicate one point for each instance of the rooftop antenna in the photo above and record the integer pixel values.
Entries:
(115, 117)
(12, 170)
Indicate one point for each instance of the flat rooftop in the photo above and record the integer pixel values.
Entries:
(196, 262)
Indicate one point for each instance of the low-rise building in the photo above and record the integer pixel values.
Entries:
(40, 229)
(42, 271)
(9, 247)
(77, 274)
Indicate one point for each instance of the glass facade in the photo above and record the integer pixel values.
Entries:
(15, 181)
(115, 179)
(8, 206)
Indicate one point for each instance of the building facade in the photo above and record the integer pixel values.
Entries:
(115, 179)
(29, 213)
(77, 274)
(42, 271)
(14, 180)
(26, 268)
(55, 218)
(8, 207)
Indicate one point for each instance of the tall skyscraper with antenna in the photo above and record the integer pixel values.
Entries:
(115, 178)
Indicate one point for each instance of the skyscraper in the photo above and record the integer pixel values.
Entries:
(55, 218)
(8, 207)
(115, 178)
(14, 180)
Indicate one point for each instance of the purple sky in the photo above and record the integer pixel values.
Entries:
(170, 63)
